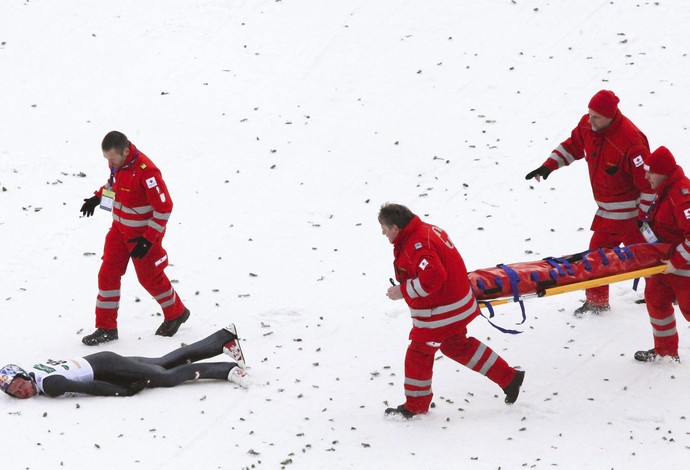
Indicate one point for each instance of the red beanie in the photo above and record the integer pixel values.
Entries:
(661, 162)
(605, 102)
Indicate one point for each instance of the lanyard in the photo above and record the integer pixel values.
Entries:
(651, 208)
(113, 170)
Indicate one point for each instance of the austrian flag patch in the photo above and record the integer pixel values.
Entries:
(151, 182)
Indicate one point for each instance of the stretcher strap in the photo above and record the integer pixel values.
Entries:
(546, 283)
(604, 259)
(482, 286)
(624, 253)
(489, 307)
(556, 266)
(635, 283)
(514, 280)
(557, 262)
(588, 265)
(581, 257)
(617, 251)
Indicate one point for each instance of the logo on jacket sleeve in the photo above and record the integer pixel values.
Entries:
(638, 161)
(687, 213)
(425, 263)
(417, 245)
(151, 182)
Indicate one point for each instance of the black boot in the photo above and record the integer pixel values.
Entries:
(101, 335)
(651, 355)
(401, 412)
(170, 327)
(513, 389)
(595, 309)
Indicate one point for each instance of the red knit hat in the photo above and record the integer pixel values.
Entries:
(605, 102)
(661, 162)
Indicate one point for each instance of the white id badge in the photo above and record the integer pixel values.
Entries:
(107, 199)
(647, 233)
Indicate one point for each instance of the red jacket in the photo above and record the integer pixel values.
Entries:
(142, 204)
(669, 218)
(615, 156)
(434, 282)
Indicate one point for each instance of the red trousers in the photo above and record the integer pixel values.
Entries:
(470, 352)
(600, 295)
(150, 272)
(659, 293)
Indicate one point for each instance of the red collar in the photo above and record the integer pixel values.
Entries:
(406, 231)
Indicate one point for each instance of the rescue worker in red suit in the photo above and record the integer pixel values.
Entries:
(614, 149)
(669, 222)
(433, 281)
(141, 206)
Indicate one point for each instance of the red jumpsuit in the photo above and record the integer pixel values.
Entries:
(615, 157)
(670, 220)
(142, 207)
(434, 283)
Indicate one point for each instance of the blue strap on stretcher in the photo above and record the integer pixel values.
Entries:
(624, 253)
(586, 263)
(488, 306)
(514, 279)
(482, 286)
(557, 262)
(602, 255)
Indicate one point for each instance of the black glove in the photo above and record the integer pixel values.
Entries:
(136, 387)
(89, 205)
(541, 171)
(143, 246)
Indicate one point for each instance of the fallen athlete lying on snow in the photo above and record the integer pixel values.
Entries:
(109, 374)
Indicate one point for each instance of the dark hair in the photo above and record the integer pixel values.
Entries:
(115, 140)
(395, 214)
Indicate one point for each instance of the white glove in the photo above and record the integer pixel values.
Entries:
(670, 269)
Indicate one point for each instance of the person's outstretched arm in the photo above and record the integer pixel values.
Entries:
(57, 385)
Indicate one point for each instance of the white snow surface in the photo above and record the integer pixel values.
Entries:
(280, 128)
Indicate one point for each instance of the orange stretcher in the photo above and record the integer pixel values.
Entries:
(507, 283)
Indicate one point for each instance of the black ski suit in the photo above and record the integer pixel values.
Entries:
(116, 375)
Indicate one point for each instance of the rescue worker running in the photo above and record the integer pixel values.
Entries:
(434, 284)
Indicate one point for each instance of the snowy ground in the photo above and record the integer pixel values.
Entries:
(281, 127)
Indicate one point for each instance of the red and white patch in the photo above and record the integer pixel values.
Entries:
(638, 161)
(687, 213)
(151, 182)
